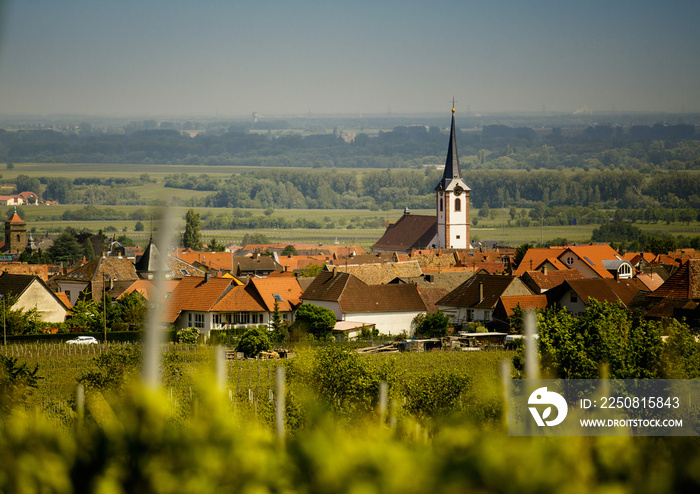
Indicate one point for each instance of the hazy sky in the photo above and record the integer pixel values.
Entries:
(233, 57)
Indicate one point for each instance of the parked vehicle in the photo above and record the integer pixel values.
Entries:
(83, 340)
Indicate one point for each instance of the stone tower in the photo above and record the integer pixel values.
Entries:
(15, 235)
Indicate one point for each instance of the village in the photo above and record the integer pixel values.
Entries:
(422, 265)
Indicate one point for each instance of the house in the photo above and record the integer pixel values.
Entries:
(25, 197)
(256, 302)
(592, 261)
(391, 308)
(679, 296)
(32, 293)
(505, 308)
(190, 303)
(476, 298)
(113, 274)
(541, 281)
(575, 295)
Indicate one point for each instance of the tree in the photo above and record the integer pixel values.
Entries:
(138, 227)
(254, 341)
(89, 250)
(192, 238)
(65, 248)
(255, 238)
(433, 325)
(319, 321)
(215, 246)
(484, 210)
(289, 250)
(133, 311)
(520, 253)
(57, 189)
(607, 335)
(26, 183)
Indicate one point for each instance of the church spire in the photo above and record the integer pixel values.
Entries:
(452, 170)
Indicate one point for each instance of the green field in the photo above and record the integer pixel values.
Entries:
(494, 228)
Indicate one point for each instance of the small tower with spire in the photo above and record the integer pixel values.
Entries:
(15, 235)
(452, 200)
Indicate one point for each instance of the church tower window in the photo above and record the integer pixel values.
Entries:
(458, 205)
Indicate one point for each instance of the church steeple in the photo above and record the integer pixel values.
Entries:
(452, 170)
(452, 200)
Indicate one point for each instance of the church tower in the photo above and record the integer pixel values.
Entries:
(452, 197)
(15, 235)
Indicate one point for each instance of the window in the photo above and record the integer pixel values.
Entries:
(195, 320)
(277, 296)
(458, 204)
(569, 260)
(573, 297)
(470, 315)
(440, 204)
(217, 319)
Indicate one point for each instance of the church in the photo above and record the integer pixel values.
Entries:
(449, 229)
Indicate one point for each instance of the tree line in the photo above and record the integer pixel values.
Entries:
(495, 146)
(386, 189)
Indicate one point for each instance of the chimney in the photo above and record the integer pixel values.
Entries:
(544, 270)
(481, 291)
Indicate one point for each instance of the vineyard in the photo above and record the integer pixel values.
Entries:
(210, 426)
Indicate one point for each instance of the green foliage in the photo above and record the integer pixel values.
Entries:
(606, 339)
(254, 341)
(432, 325)
(433, 394)
(311, 270)
(289, 250)
(192, 238)
(215, 246)
(17, 383)
(65, 248)
(255, 238)
(320, 321)
(188, 336)
(520, 253)
(681, 353)
(86, 314)
(114, 368)
(347, 384)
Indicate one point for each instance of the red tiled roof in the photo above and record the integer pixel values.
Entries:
(286, 287)
(195, 294)
(239, 299)
(552, 278)
(147, 287)
(15, 219)
(651, 281)
(526, 302)
(684, 284)
(534, 258)
(604, 290)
